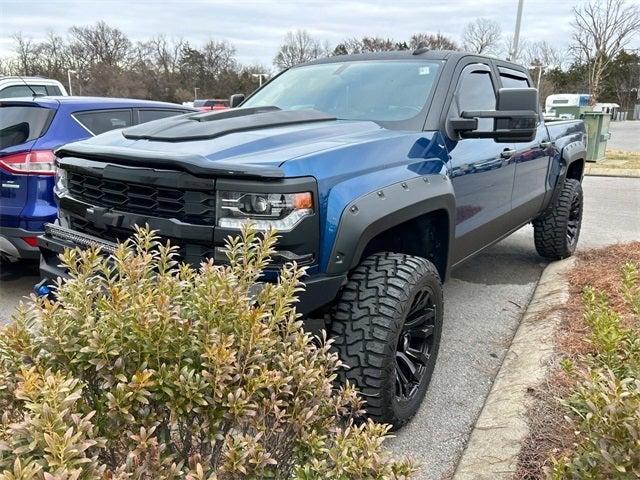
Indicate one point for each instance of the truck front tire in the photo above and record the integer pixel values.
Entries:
(386, 329)
(556, 233)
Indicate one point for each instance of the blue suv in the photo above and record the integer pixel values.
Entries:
(30, 130)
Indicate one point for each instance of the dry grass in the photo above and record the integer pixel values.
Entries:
(550, 434)
(619, 159)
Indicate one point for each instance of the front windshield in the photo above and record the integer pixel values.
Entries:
(378, 90)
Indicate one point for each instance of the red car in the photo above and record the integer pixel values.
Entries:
(211, 104)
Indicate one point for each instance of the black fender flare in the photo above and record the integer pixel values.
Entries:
(375, 212)
(571, 152)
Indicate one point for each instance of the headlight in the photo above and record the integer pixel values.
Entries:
(61, 181)
(282, 211)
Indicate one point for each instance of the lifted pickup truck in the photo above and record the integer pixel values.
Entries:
(381, 172)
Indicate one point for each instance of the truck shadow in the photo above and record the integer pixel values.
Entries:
(18, 270)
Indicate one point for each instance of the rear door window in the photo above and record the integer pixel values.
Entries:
(21, 123)
(15, 91)
(148, 115)
(511, 79)
(100, 121)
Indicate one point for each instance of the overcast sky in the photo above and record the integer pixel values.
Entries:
(256, 27)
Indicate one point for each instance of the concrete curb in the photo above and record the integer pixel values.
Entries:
(495, 442)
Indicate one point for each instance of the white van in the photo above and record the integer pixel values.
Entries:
(12, 87)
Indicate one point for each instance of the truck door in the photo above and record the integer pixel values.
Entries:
(481, 169)
(531, 159)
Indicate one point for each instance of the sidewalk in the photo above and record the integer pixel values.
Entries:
(495, 442)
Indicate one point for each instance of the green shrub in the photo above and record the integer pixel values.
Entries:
(631, 286)
(605, 407)
(147, 369)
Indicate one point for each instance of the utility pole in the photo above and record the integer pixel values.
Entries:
(516, 35)
(69, 72)
(540, 69)
(260, 76)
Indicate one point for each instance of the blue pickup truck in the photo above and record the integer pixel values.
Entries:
(381, 173)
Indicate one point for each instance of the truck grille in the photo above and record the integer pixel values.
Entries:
(189, 252)
(190, 206)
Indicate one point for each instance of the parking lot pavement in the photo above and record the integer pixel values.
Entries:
(484, 301)
(625, 136)
(16, 282)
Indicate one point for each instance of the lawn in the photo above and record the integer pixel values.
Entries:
(618, 159)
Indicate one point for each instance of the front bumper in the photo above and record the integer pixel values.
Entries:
(320, 290)
(13, 245)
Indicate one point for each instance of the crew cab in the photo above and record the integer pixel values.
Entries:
(30, 130)
(381, 173)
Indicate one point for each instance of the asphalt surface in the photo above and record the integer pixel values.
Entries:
(625, 136)
(484, 302)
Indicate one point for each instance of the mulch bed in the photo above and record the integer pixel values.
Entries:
(551, 435)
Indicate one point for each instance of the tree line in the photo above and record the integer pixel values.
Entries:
(105, 62)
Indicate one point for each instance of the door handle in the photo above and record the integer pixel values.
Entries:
(545, 144)
(507, 153)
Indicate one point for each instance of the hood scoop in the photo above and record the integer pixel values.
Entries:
(203, 126)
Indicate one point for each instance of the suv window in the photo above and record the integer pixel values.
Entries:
(15, 91)
(100, 121)
(53, 91)
(20, 124)
(476, 92)
(150, 115)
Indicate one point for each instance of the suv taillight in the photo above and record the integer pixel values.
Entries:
(37, 162)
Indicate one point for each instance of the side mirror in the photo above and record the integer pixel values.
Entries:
(515, 117)
(236, 100)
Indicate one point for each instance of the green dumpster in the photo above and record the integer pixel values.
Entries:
(597, 125)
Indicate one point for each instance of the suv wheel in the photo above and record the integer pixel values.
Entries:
(556, 233)
(386, 329)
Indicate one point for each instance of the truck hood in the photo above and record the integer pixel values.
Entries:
(258, 148)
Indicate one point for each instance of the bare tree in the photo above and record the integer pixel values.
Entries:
(503, 50)
(541, 57)
(28, 55)
(432, 42)
(542, 53)
(165, 53)
(298, 47)
(352, 46)
(219, 56)
(55, 56)
(482, 36)
(602, 29)
(100, 44)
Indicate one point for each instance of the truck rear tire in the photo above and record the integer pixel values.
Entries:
(386, 329)
(556, 233)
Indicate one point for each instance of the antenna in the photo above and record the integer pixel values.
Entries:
(28, 86)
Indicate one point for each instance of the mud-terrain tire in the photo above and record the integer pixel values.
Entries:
(556, 233)
(386, 325)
